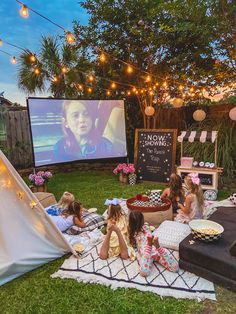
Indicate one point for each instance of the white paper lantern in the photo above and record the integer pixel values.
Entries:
(149, 111)
(199, 115)
(232, 114)
(177, 102)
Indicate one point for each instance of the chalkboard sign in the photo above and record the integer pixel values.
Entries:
(154, 154)
(206, 179)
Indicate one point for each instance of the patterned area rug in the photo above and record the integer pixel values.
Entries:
(118, 273)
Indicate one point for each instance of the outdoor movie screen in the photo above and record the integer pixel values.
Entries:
(70, 130)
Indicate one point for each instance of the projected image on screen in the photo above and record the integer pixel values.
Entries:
(69, 130)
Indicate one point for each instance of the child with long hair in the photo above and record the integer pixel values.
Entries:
(71, 216)
(140, 236)
(194, 202)
(115, 241)
(81, 138)
(174, 192)
(64, 202)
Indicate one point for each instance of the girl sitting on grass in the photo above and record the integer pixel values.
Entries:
(71, 216)
(174, 192)
(140, 236)
(194, 202)
(115, 241)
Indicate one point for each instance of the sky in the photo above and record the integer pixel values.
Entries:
(27, 33)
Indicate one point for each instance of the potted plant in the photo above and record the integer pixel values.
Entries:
(38, 180)
(124, 171)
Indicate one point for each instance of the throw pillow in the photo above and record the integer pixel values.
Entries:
(92, 220)
(232, 198)
(171, 233)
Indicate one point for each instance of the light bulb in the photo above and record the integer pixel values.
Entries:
(102, 57)
(113, 85)
(37, 71)
(148, 78)
(13, 60)
(69, 38)
(129, 69)
(90, 90)
(24, 12)
(64, 69)
(108, 93)
(181, 87)
(91, 78)
(128, 93)
(55, 79)
(32, 58)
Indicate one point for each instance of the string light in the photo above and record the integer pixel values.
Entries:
(108, 93)
(91, 78)
(36, 71)
(69, 38)
(191, 89)
(128, 93)
(102, 57)
(64, 69)
(129, 69)
(181, 87)
(32, 58)
(24, 12)
(55, 79)
(148, 78)
(113, 85)
(90, 90)
(134, 89)
(165, 84)
(13, 60)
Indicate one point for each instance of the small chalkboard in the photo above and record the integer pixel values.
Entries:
(154, 154)
(205, 178)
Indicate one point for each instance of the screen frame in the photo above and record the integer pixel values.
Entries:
(90, 161)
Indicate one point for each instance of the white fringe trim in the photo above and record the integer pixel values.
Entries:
(113, 284)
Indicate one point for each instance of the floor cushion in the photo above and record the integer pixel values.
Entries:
(92, 220)
(213, 261)
(171, 233)
(46, 199)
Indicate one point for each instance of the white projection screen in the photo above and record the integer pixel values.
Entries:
(69, 130)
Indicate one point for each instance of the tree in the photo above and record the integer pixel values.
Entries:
(174, 43)
(56, 69)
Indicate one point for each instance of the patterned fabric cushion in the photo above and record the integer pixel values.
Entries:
(232, 198)
(92, 220)
(171, 233)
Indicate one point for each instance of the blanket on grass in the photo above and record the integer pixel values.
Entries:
(118, 273)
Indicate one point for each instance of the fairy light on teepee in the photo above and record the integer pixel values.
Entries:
(24, 12)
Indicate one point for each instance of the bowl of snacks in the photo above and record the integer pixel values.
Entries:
(79, 248)
(206, 230)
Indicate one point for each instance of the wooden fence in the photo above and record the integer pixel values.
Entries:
(18, 147)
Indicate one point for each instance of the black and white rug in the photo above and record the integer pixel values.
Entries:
(118, 273)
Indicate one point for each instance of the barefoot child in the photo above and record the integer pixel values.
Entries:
(148, 247)
(115, 241)
(194, 202)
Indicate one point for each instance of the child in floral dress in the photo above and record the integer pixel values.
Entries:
(148, 247)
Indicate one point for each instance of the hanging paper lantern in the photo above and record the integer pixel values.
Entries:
(149, 111)
(177, 102)
(232, 114)
(199, 115)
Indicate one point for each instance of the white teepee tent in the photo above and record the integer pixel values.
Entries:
(28, 237)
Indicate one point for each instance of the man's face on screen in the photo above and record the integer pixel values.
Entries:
(78, 119)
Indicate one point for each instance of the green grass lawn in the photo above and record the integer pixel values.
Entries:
(36, 292)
